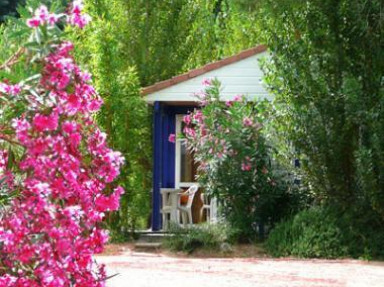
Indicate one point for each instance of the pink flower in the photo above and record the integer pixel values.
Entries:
(52, 19)
(34, 22)
(80, 20)
(111, 202)
(247, 122)
(42, 17)
(172, 138)
(54, 229)
(229, 103)
(246, 166)
(77, 6)
(95, 105)
(187, 119)
(13, 90)
(85, 76)
(207, 82)
(202, 97)
(237, 98)
(190, 132)
(69, 127)
(3, 161)
(42, 13)
(198, 116)
(45, 123)
(75, 139)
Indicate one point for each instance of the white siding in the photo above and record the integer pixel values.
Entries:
(241, 78)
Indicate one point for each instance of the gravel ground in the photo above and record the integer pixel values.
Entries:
(136, 269)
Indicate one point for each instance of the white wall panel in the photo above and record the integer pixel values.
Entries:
(243, 77)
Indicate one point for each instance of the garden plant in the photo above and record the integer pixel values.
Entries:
(56, 170)
(326, 72)
(236, 162)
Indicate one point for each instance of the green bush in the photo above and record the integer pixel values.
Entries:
(236, 162)
(310, 233)
(325, 232)
(326, 70)
(204, 236)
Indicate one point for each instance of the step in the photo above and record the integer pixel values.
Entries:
(153, 237)
(147, 246)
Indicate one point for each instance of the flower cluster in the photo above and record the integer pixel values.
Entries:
(76, 17)
(42, 17)
(227, 139)
(214, 139)
(3, 161)
(12, 90)
(52, 229)
(246, 165)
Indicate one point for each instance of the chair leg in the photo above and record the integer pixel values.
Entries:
(190, 217)
(183, 218)
(179, 220)
(165, 221)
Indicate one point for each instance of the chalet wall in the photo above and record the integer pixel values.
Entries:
(243, 77)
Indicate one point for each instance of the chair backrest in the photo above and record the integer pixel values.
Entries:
(191, 191)
(205, 199)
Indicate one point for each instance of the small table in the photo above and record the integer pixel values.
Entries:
(169, 198)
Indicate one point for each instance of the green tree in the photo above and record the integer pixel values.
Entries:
(125, 118)
(327, 72)
(172, 36)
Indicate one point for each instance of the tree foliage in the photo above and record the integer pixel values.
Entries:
(8, 8)
(168, 37)
(327, 72)
(103, 48)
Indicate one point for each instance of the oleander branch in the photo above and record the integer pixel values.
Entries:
(14, 59)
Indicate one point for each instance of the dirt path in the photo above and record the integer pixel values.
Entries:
(159, 270)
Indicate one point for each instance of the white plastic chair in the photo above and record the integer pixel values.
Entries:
(168, 210)
(210, 207)
(186, 210)
(205, 207)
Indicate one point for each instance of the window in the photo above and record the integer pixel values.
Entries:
(186, 167)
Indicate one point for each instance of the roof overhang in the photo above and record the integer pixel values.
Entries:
(169, 90)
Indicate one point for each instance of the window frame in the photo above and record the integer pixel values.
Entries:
(178, 143)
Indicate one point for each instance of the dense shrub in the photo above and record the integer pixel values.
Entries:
(235, 160)
(56, 169)
(326, 232)
(310, 233)
(327, 71)
(202, 236)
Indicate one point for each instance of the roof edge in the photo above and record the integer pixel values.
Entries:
(202, 70)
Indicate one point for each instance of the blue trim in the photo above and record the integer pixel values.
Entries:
(164, 124)
(174, 110)
(168, 164)
(169, 149)
(156, 197)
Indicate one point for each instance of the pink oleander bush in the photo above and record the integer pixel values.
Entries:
(56, 162)
(236, 161)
